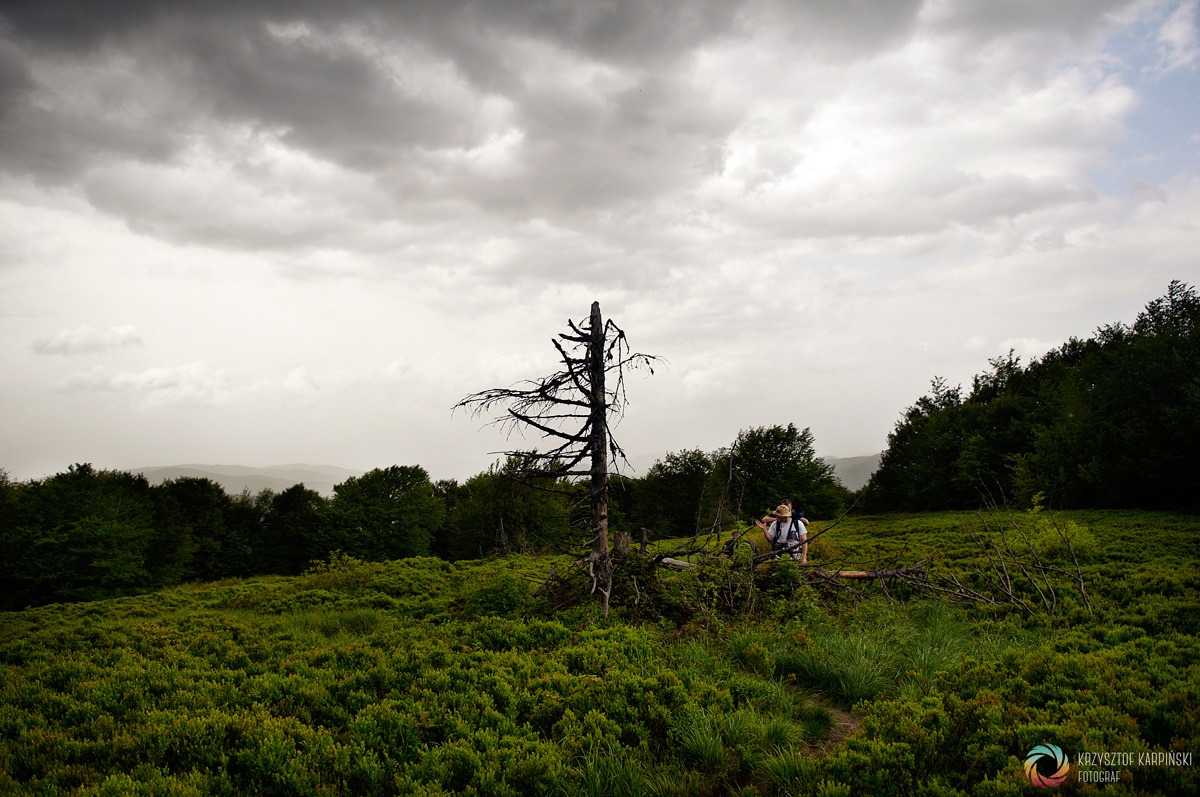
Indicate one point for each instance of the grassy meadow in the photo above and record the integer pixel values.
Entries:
(426, 677)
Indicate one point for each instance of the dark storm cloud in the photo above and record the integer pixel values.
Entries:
(15, 80)
(381, 89)
(330, 91)
(628, 30)
(82, 25)
(332, 99)
(326, 93)
(838, 28)
(603, 118)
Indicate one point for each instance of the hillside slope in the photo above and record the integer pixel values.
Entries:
(854, 472)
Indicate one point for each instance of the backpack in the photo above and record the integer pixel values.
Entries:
(791, 535)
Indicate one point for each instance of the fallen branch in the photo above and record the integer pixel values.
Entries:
(899, 572)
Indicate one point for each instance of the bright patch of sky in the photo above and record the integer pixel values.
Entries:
(1158, 56)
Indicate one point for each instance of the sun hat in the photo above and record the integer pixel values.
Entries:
(783, 510)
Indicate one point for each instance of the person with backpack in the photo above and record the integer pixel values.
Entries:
(788, 533)
(770, 517)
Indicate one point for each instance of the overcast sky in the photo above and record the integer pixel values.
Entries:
(275, 231)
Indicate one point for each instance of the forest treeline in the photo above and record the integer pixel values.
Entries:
(87, 534)
(1111, 421)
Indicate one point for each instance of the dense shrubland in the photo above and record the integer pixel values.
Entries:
(422, 676)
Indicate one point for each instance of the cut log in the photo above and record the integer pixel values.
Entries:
(900, 571)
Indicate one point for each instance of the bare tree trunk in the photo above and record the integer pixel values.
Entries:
(502, 541)
(599, 444)
(600, 561)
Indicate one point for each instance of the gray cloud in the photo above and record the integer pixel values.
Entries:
(196, 385)
(388, 89)
(363, 84)
(88, 340)
(982, 19)
(15, 80)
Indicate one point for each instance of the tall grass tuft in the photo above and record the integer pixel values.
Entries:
(775, 732)
(609, 771)
(675, 782)
(331, 622)
(888, 647)
(698, 741)
(939, 640)
(695, 656)
(816, 720)
(861, 668)
(848, 668)
(737, 727)
(788, 770)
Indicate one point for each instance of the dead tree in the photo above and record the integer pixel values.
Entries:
(574, 409)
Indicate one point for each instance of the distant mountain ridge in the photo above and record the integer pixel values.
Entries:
(854, 472)
(234, 479)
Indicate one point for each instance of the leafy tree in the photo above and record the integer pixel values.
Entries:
(193, 523)
(12, 542)
(501, 511)
(388, 513)
(996, 426)
(675, 497)
(919, 464)
(445, 543)
(79, 535)
(1112, 421)
(292, 528)
(1158, 411)
(769, 463)
(246, 517)
(1116, 419)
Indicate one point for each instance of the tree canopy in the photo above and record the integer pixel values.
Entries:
(1111, 421)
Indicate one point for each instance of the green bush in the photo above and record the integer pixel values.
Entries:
(499, 595)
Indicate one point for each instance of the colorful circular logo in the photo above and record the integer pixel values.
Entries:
(1046, 765)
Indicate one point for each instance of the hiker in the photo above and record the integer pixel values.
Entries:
(789, 533)
(769, 518)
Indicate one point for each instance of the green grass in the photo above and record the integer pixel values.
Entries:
(424, 677)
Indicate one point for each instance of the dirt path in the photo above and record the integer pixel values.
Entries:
(844, 725)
